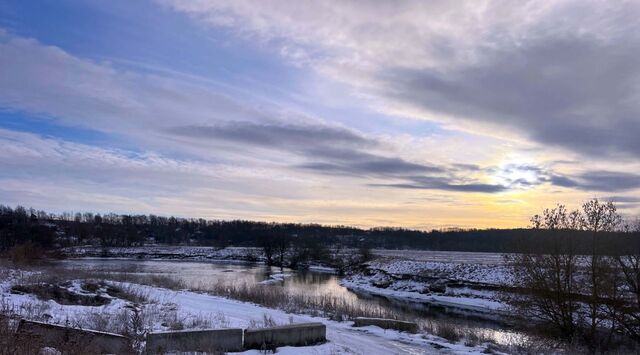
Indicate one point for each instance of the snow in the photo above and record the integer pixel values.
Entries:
(273, 278)
(342, 337)
(320, 268)
(465, 285)
(494, 274)
(475, 304)
(168, 252)
(53, 312)
(443, 256)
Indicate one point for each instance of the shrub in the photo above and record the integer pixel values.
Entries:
(26, 253)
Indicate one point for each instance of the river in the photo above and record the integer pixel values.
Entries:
(201, 275)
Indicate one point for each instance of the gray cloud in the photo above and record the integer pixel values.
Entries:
(363, 164)
(440, 183)
(624, 199)
(563, 73)
(576, 93)
(608, 181)
(333, 150)
(596, 180)
(141, 106)
(562, 89)
(625, 202)
(276, 134)
(562, 181)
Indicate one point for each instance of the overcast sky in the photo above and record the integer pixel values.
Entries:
(421, 114)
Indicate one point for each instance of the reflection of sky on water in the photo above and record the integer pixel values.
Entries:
(204, 275)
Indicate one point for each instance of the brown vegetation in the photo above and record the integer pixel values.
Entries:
(588, 299)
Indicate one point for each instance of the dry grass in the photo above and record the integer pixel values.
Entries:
(134, 323)
(336, 308)
(140, 318)
(266, 322)
(12, 343)
(445, 330)
(333, 307)
(129, 293)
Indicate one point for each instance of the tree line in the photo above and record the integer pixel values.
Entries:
(20, 225)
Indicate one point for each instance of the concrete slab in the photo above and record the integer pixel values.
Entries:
(212, 340)
(288, 335)
(79, 341)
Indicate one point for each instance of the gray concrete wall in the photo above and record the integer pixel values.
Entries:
(195, 340)
(387, 324)
(78, 340)
(288, 335)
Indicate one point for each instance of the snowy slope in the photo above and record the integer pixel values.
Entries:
(342, 337)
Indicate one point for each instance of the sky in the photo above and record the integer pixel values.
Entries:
(417, 114)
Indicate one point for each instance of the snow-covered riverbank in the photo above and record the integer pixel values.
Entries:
(464, 285)
(201, 311)
(168, 252)
(453, 279)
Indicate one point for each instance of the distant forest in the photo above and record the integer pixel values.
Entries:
(20, 225)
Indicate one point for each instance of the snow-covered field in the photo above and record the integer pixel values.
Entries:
(202, 311)
(491, 274)
(462, 281)
(443, 256)
(168, 252)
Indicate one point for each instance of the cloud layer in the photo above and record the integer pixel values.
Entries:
(562, 73)
(471, 113)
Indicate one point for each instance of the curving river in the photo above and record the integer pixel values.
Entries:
(201, 275)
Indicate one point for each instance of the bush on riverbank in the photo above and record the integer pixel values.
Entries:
(28, 253)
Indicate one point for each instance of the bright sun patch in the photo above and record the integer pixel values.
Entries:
(517, 175)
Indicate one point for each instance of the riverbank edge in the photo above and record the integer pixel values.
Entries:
(248, 255)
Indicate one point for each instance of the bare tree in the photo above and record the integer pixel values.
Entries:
(283, 242)
(549, 278)
(275, 247)
(602, 281)
(575, 294)
(627, 312)
(268, 248)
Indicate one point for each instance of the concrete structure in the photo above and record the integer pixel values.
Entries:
(288, 335)
(67, 339)
(210, 340)
(83, 341)
(387, 324)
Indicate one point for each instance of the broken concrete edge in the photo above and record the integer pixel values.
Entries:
(288, 326)
(303, 334)
(169, 332)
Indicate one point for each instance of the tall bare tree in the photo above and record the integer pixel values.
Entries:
(549, 278)
(602, 281)
(575, 294)
(627, 312)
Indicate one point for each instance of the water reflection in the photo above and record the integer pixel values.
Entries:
(204, 275)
